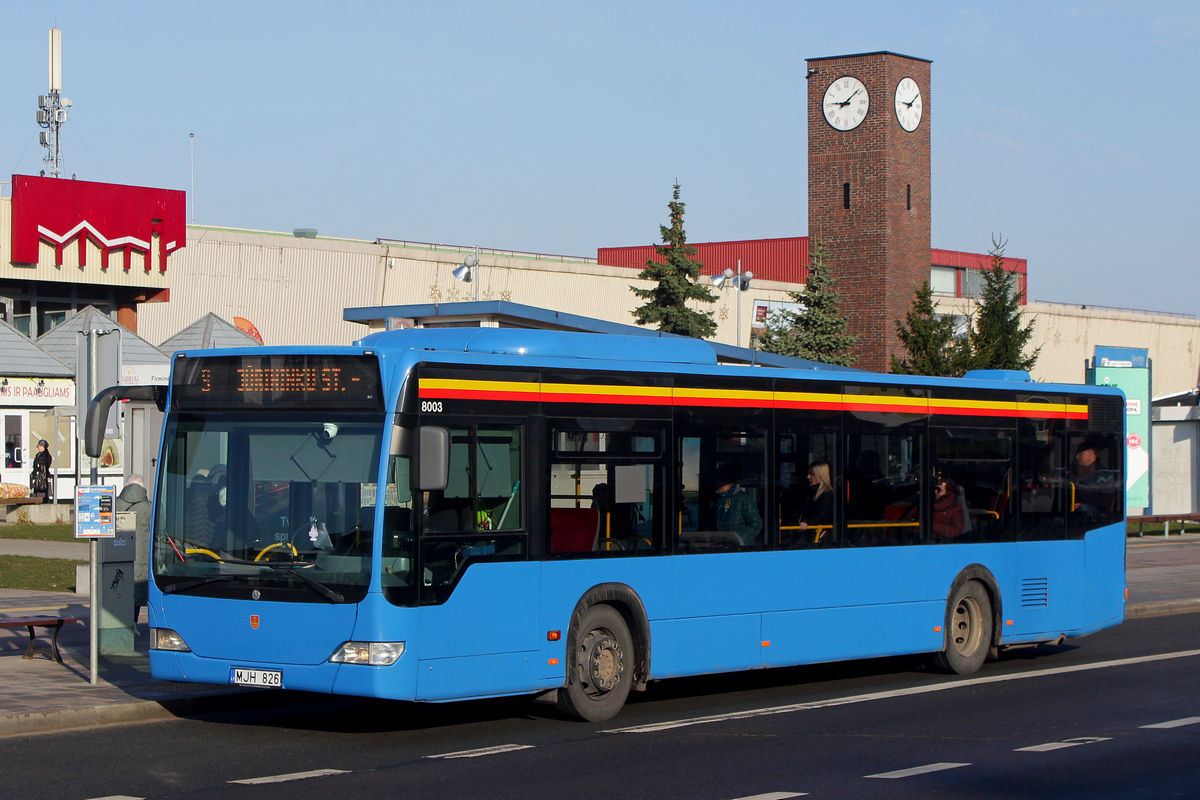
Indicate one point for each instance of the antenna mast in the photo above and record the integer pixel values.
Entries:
(52, 111)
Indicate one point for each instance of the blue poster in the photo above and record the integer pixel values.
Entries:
(94, 507)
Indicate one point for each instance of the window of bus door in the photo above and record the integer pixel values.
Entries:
(479, 516)
(883, 469)
(722, 478)
(251, 500)
(806, 512)
(1041, 478)
(606, 479)
(972, 484)
(396, 566)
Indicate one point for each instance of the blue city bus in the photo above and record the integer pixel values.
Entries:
(444, 514)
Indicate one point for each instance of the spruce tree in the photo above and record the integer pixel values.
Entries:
(818, 330)
(677, 278)
(997, 339)
(929, 340)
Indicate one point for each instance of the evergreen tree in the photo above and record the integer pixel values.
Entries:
(817, 331)
(677, 283)
(997, 340)
(929, 340)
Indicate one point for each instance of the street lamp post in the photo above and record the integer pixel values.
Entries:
(740, 281)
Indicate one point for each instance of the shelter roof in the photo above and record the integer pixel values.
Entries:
(62, 342)
(208, 331)
(23, 358)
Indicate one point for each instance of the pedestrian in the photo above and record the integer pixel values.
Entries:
(134, 498)
(39, 477)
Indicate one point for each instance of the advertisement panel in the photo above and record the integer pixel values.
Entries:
(1134, 381)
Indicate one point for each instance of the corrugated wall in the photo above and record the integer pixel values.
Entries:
(294, 290)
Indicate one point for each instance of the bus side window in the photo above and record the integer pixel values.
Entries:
(723, 483)
(883, 488)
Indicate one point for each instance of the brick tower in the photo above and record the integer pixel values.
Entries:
(868, 188)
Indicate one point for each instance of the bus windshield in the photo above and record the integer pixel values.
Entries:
(282, 504)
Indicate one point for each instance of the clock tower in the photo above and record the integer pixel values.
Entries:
(868, 188)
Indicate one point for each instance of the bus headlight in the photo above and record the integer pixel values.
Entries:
(375, 654)
(167, 639)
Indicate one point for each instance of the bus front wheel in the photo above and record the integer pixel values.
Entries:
(600, 667)
(968, 630)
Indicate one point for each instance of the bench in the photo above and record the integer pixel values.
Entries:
(39, 622)
(1165, 519)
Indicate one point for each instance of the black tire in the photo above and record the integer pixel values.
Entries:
(600, 669)
(968, 631)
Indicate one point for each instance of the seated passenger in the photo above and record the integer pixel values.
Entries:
(818, 510)
(735, 509)
(947, 511)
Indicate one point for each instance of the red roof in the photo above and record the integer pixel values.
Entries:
(784, 260)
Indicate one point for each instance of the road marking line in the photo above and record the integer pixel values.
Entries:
(908, 773)
(118, 797)
(293, 776)
(1174, 723)
(915, 690)
(1045, 748)
(773, 796)
(484, 751)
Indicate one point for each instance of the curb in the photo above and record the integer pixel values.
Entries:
(1162, 608)
(68, 719)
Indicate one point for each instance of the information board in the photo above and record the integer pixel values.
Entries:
(1135, 383)
(94, 507)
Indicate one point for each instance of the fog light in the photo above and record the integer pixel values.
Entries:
(167, 639)
(375, 654)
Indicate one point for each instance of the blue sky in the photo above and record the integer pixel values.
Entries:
(1071, 128)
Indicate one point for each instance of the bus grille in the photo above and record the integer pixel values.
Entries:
(1035, 592)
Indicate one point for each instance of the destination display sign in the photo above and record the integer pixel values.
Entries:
(300, 381)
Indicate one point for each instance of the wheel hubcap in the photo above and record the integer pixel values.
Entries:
(602, 662)
(965, 627)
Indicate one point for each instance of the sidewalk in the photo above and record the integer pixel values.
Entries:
(38, 695)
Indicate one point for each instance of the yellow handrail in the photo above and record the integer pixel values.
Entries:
(271, 547)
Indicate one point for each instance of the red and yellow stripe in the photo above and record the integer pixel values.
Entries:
(528, 391)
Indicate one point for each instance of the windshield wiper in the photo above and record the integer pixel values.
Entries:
(320, 588)
(183, 586)
(317, 586)
(291, 566)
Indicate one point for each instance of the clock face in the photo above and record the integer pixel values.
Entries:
(908, 104)
(846, 103)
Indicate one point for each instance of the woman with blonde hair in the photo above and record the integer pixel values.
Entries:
(818, 511)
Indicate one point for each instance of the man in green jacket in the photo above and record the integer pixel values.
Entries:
(735, 509)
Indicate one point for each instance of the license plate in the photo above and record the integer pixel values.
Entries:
(269, 678)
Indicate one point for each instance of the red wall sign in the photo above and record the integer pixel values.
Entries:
(113, 217)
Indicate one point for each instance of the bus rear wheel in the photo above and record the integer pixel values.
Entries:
(968, 630)
(600, 669)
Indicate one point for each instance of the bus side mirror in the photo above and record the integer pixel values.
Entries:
(98, 407)
(433, 468)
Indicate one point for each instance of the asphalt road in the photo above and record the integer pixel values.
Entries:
(1065, 722)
